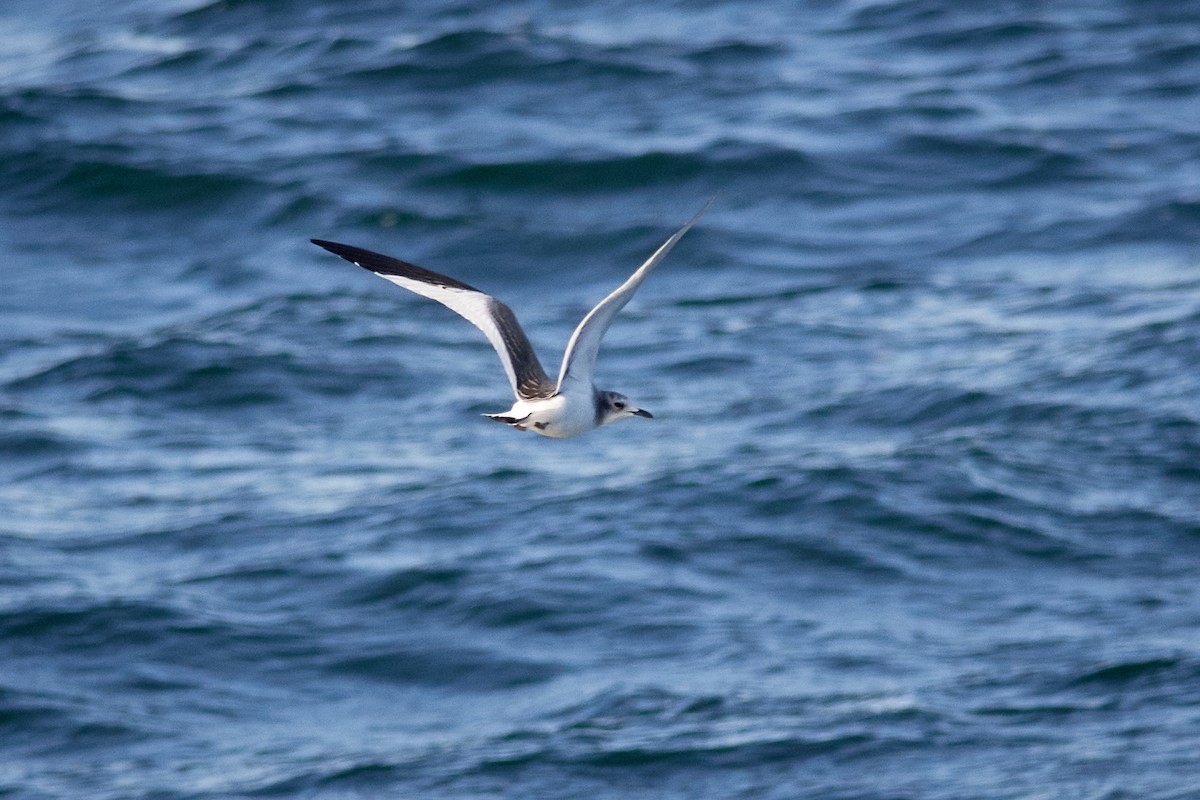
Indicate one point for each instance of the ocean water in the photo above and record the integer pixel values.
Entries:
(918, 515)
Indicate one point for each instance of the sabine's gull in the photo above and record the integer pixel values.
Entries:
(568, 407)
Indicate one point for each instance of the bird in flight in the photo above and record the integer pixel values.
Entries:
(560, 409)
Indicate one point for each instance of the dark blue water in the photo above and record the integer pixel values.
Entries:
(919, 513)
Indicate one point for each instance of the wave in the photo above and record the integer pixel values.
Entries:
(1137, 672)
(599, 172)
(465, 669)
(650, 726)
(99, 178)
(250, 356)
(422, 586)
(1155, 220)
(480, 56)
(35, 443)
(173, 369)
(87, 625)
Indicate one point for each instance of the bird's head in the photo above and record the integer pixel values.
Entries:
(613, 406)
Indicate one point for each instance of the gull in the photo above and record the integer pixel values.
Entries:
(560, 409)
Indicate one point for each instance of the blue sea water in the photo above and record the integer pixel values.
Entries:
(919, 513)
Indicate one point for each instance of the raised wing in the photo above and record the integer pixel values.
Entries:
(485, 312)
(579, 359)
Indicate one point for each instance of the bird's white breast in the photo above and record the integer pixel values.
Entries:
(560, 417)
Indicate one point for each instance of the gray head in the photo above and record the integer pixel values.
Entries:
(612, 406)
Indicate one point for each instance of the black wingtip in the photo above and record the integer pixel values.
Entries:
(386, 265)
(355, 255)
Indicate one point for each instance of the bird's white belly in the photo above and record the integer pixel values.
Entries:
(559, 417)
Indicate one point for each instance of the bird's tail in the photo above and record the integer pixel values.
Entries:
(507, 420)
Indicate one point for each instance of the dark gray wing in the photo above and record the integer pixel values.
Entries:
(485, 312)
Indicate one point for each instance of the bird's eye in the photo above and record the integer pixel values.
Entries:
(618, 405)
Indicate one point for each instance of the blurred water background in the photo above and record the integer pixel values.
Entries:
(919, 513)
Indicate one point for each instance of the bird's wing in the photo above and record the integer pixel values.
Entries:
(485, 312)
(579, 359)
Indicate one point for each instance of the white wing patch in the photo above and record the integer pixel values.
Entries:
(579, 359)
(471, 306)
